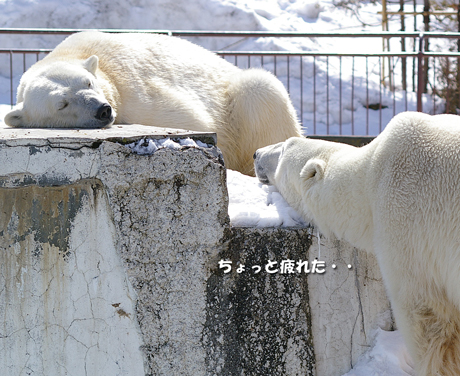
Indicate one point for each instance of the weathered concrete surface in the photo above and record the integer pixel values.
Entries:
(105, 252)
(170, 210)
(65, 302)
(347, 305)
(258, 323)
(282, 323)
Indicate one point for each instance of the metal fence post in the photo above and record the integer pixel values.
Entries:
(420, 75)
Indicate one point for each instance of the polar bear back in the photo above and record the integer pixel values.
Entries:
(419, 181)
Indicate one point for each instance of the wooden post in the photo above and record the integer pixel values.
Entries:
(458, 59)
(384, 16)
(385, 42)
(403, 46)
(420, 75)
(415, 47)
(426, 22)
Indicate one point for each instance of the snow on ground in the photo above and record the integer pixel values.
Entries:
(388, 357)
(257, 205)
(251, 203)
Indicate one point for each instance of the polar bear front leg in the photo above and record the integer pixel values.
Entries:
(437, 332)
(431, 330)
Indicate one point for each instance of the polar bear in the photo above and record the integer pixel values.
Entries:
(399, 197)
(94, 79)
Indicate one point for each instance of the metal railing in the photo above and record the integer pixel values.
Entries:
(333, 93)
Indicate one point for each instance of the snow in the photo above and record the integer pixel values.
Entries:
(388, 357)
(257, 205)
(147, 146)
(251, 203)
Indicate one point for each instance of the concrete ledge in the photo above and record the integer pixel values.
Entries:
(77, 138)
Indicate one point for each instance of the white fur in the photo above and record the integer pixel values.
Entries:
(160, 81)
(399, 197)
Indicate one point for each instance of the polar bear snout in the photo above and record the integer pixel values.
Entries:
(259, 170)
(266, 161)
(99, 114)
(104, 112)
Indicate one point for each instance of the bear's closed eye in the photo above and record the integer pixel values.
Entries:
(63, 105)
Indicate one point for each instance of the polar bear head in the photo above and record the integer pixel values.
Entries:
(295, 167)
(61, 94)
(324, 181)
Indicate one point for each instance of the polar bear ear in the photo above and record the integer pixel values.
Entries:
(314, 168)
(91, 64)
(15, 118)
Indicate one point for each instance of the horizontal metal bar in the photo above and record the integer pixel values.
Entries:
(259, 53)
(432, 13)
(25, 50)
(434, 34)
(277, 53)
(441, 54)
(313, 53)
(257, 34)
(216, 33)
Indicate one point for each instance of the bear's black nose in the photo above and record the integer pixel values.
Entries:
(255, 155)
(104, 112)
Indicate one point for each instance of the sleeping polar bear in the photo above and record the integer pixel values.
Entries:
(94, 79)
(398, 196)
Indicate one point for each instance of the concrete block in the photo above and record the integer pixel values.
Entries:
(104, 252)
(293, 323)
(347, 305)
(259, 322)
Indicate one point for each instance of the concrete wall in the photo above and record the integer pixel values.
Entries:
(110, 265)
(259, 321)
(347, 305)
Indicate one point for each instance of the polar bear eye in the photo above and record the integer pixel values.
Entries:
(62, 105)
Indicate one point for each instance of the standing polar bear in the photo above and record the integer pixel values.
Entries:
(94, 79)
(398, 196)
